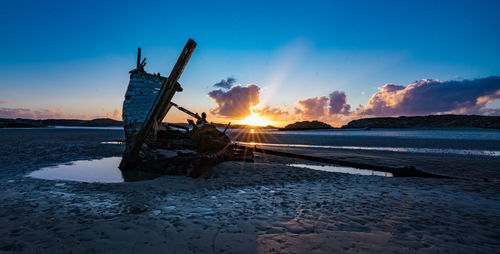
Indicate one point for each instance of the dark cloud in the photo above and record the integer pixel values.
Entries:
(312, 107)
(225, 83)
(338, 103)
(235, 102)
(51, 114)
(16, 113)
(433, 97)
(32, 114)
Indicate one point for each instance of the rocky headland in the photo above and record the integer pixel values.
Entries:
(306, 125)
(431, 121)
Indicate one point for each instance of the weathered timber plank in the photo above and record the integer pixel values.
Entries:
(138, 58)
(396, 172)
(160, 108)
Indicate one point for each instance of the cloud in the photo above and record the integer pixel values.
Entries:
(391, 88)
(3, 102)
(273, 114)
(32, 114)
(235, 102)
(16, 113)
(420, 98)
(58, 113)
(312, 107)
(317, 107)
(241, 101)
(225, 83)
(116, 114)
(430, 96)
(338, 103)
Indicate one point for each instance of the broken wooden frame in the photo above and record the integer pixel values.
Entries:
(160, 106)
(406, 171)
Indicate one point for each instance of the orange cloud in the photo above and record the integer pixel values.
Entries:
(236, 102)
(116, 114)
(276, 114)
(423, 97)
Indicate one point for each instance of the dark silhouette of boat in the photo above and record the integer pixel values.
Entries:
(155, 147)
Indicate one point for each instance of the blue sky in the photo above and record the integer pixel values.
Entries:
(75, 55)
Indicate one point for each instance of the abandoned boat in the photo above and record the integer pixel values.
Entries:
(155, 147)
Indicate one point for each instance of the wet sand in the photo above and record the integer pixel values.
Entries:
(261, 207)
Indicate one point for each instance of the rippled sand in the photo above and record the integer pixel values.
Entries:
(261, 207)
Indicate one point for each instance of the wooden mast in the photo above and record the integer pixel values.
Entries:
(160, 107)
(138, 58)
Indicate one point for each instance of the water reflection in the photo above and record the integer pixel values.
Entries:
(455, 133)
(103, 170)
(113, 142)
(347, 170)
(391, 149)
(89, 127)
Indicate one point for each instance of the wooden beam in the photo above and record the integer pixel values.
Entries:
(138, 58)
(396, 172)
(227, 126)
(159, 110)
(195, 115)
(179, 126)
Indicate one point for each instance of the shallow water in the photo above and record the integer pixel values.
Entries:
(391, 149)
(106, 170)
(347, 170)
(113, 142)
(103, 170)
(458, 134)
(88, 127)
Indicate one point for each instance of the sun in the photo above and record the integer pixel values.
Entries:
(254, 120)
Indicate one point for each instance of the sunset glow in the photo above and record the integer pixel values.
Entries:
(255, 121)
(250, 126)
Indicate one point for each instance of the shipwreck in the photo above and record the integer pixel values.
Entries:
(153, 146)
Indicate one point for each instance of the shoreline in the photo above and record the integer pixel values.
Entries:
(261, 207)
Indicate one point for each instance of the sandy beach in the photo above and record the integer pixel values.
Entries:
(250, 127)
(261, 207)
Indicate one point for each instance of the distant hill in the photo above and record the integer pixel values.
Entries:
(306, 125)
(431, 121)
(99, 122)
(102, 122)
(30, 123)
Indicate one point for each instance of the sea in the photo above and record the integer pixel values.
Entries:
(456, 142)
(470, 142)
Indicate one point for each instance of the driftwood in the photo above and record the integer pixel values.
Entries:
(406, 171)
